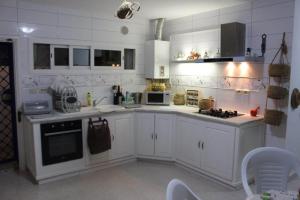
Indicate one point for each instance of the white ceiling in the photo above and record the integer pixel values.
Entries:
(149, 8)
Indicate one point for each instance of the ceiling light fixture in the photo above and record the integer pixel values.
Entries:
(26, 30)
(127, 9)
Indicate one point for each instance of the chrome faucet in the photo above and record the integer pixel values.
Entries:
(98, 101)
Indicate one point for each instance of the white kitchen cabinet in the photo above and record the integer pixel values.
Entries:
(157, 59)
(122, 139)
(122, 136)
(154, 134)
(214, 148)
(163, 135)
(218, 151)
(145, 133)
(188, 140)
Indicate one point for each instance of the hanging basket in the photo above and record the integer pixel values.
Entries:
(279, 70)
(273, 117)
(277, 92)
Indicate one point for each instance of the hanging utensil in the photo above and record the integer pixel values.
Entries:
(263, 44)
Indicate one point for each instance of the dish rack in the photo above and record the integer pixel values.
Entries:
(192, 98)
(66, 100)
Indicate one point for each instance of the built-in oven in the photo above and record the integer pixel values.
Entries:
(61, 141)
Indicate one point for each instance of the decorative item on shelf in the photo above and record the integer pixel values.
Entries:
(263, 44)
(192, 98)
(179, 99)
(205, 55)
(218, 54)
(248, 52)
(179, 56)
(280, 70)
(206, 104)
(194, 55)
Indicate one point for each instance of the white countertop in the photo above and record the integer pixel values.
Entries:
(106, 109)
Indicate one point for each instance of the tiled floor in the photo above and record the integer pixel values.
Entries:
(133, 181)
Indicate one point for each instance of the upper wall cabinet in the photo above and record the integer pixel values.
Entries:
(107, 58)
(157, 59)
(50, 56)
(81, 57)
(41, 56)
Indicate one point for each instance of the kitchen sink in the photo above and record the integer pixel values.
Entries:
(109, 108)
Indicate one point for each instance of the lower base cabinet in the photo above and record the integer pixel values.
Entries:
(154, 133)
(216, 149)
(122, 139)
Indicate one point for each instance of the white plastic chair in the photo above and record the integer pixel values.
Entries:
(271, 166)
(178, 190)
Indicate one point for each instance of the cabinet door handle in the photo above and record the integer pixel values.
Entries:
(202, 145)
(152, 136)
(199, 144)
(156, 136)
(113, 137)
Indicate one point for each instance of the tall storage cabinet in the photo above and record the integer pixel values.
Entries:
(157, 59)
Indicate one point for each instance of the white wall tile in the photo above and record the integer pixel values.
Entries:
(276, 11)
(75, 34)
(8, 13)
(242, 17)
(74, 21)
(37, 17)
(108, 25)
(8, 28)
(37, 6)
(9, 3)
(238, 8)
(273, 26)
(265, 3)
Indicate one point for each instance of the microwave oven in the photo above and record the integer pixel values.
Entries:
(157, 98)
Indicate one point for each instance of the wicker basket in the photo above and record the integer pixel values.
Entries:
(277, 92)
(206, 104)
(273, 117)
(279, 70)
(179, 99)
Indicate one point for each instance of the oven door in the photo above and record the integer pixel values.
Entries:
(61, 146)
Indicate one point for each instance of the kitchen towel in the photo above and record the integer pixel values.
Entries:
(99, 139)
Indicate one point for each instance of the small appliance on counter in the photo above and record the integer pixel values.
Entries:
(37, 107)
(157, 98)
